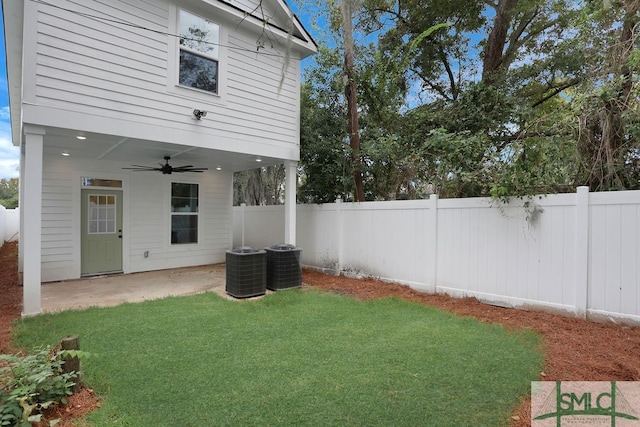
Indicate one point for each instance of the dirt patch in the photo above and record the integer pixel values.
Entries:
(10, 293)
(78, 405)
(575, 349)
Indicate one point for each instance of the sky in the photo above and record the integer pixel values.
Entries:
(9, 155)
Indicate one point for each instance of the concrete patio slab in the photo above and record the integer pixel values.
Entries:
(116, 289)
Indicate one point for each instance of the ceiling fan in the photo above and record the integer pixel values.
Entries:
(167, 169)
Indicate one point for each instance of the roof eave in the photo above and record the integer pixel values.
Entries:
(304, 44)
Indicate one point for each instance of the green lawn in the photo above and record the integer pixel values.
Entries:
(298, 357)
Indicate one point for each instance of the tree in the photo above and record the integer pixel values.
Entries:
(441, 65)
(497, 115)
(9, 192)
(260, 186)
(515, 98)
(351, 93)
(609, 120)
(324, 158)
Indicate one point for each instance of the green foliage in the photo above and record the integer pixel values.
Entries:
(462, 162)
(324, 151)
(539, 98)
(32, 383)
(298, 357)
(606, 105)
(9, 190)
(428, 58)
(259, 186)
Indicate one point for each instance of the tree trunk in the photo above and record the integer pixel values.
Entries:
(71, 364)
(351, 95)
(494, 49)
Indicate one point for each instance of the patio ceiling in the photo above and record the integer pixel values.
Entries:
(145, 152)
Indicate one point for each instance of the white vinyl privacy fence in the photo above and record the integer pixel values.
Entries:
(9, 225)
(577, 253)
(3, 224)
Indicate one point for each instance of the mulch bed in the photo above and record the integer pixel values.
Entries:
(10, 293)
(575, 349)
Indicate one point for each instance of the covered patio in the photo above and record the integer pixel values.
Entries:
(56, 209)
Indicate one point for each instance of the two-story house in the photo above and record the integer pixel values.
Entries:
(133, 115)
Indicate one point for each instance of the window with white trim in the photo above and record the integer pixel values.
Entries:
(199, 52)
(184, 213)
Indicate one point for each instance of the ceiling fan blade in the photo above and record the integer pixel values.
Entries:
(197, 170)
(191, 168)
(187, 168)
(140, 166)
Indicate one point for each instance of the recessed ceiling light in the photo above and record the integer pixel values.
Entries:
(66, 154)
(81, 137)
(258, 159)
(218, 168)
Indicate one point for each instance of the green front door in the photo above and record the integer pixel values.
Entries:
(101, 231)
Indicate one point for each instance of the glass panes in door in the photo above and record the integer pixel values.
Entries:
(102, 214)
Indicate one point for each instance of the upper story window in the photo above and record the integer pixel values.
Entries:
(199, 52)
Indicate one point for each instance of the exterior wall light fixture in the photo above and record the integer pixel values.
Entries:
(199, 114)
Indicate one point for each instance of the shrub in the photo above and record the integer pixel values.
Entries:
(29, 384)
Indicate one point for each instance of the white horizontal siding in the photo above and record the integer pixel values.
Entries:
(267, 60)
(150, 221)
(107, 69)
(148, 12)
(58, 252)
(127, 105)
(57, 28)
(146, 202)
(148, 225)
(255, 89)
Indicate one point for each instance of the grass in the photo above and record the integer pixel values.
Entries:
(299, 357)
